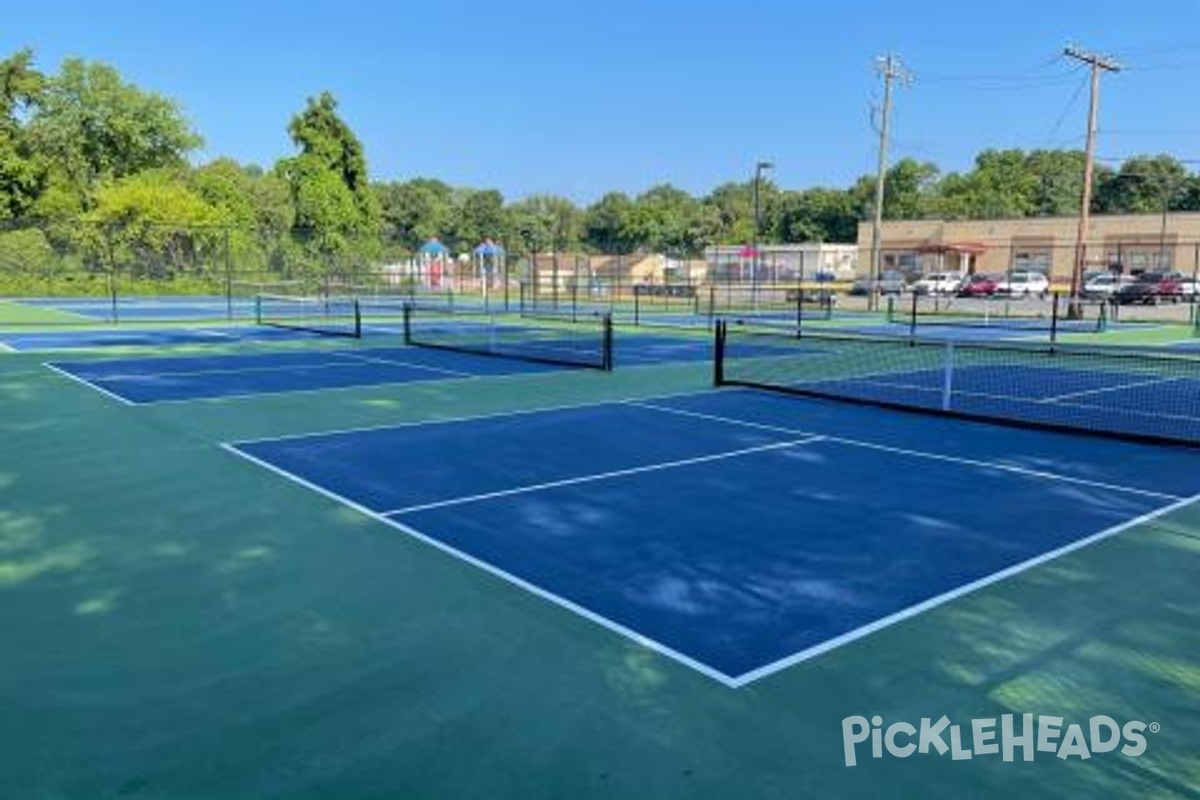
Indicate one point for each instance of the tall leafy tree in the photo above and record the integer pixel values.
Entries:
(96, 127)
(22, 171)
(337, 212)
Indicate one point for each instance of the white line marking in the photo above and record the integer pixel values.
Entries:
(90, 385)
(491, 569)
(134, 376)
(5, 347)
(1103, 389)
(1159, 415)
(472, 417)
(397, 363)
(994, 465)
(535, 487)
(953, 594)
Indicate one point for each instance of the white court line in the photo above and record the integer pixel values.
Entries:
(993, 465)
(760, 672)
(600, 476)
(953, 594)
(393, 363)
(90, 385)
(1103, 389)
(472, 417)
(5, 347)
(132, 376)
(1158, 415)
(491, 569)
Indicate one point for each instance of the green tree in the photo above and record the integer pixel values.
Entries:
(909, 191)
(669, 220)
(813, 215)
(1059, 176)
(337, 212)
(733, 207)
(22, 171)
(546, 223)
(606, 224)
(1143, 185)
(95, 127)
(153, 225)
(416, 211)
(478, 215)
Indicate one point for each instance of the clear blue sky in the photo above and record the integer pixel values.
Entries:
(577, 97)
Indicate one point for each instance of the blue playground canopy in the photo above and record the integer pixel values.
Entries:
(433, 247)
(488, 249)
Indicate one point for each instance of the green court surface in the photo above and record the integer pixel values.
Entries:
(178, 623)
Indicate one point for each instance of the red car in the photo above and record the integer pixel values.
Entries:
(979, 286)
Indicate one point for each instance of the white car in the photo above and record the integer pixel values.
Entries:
(1023, 284)
(1103, 287)
(940, 283)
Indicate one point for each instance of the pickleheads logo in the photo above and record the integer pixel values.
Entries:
(980, 737)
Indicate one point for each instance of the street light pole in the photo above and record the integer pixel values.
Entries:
(759, 167)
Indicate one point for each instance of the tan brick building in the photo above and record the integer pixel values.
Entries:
(1046, 244)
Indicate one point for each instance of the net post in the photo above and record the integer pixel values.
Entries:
(712, 305)
(637, 306)
(357, 318)
(607, 346)
(891, 309)
(1054, 318)
(912, 317)
(1102, 317)
(408, 338)
(258, 315)
(719, 353)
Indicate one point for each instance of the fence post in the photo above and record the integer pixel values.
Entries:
(1054, 318)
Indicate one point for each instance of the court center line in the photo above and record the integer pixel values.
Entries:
(1157, 415)
(472, 417)
(1103, 389)
(394, 363)
(994, 465)
(600, 476)
(133, 376)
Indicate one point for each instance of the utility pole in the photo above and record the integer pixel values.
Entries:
(890, 68)
(1097, 63)
(759, 167)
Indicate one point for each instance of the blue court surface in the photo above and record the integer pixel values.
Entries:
(165, 307)
(739, 532)
(151, 380)
(144, 337)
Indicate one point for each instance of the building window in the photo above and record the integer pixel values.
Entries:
(1032, 261)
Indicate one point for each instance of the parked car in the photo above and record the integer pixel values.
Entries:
(979, 285)
(1150, 288)
(1023, 284)
(1187, 286)
(939, 283)
(890, 282)
(1105, 285)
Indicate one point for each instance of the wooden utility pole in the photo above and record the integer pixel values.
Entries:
(890, 68)
(1097, 63)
